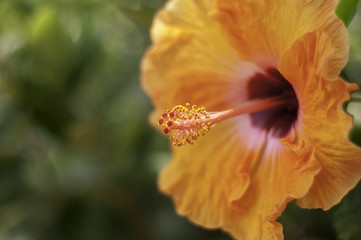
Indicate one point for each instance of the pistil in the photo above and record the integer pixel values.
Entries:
(190, 122)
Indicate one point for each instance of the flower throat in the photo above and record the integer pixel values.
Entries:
(273, 107)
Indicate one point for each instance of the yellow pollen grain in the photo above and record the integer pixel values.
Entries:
(189, 122)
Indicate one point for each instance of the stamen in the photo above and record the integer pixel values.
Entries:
(191, 122)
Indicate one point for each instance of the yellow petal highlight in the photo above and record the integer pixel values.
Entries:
(324, 123)
(201, 180)
(265, 29)
(191, 55)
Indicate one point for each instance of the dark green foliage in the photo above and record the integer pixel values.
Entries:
(347, 216)
(346, 10)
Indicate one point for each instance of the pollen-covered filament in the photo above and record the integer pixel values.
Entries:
(190, 122)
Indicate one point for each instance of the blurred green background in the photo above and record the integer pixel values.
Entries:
(78, 159)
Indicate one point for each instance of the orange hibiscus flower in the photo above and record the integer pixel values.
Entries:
(266, 73)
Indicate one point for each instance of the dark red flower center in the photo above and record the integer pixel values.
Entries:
(280, 120)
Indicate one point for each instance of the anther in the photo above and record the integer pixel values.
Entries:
(188, 123)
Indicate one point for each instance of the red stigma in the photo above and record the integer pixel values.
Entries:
(170, 123)
(171, 114)
(161, 121)
(166, 130)
(165, 115)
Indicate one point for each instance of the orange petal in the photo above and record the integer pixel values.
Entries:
(322, 119)
(264, 29)
(203, 179)
(191, 60)
(227, 181)
(237, 178)
(283, 174)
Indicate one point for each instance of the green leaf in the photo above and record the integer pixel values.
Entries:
(142, 16)
(346, 10)
(354, 108)
(347, 216)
